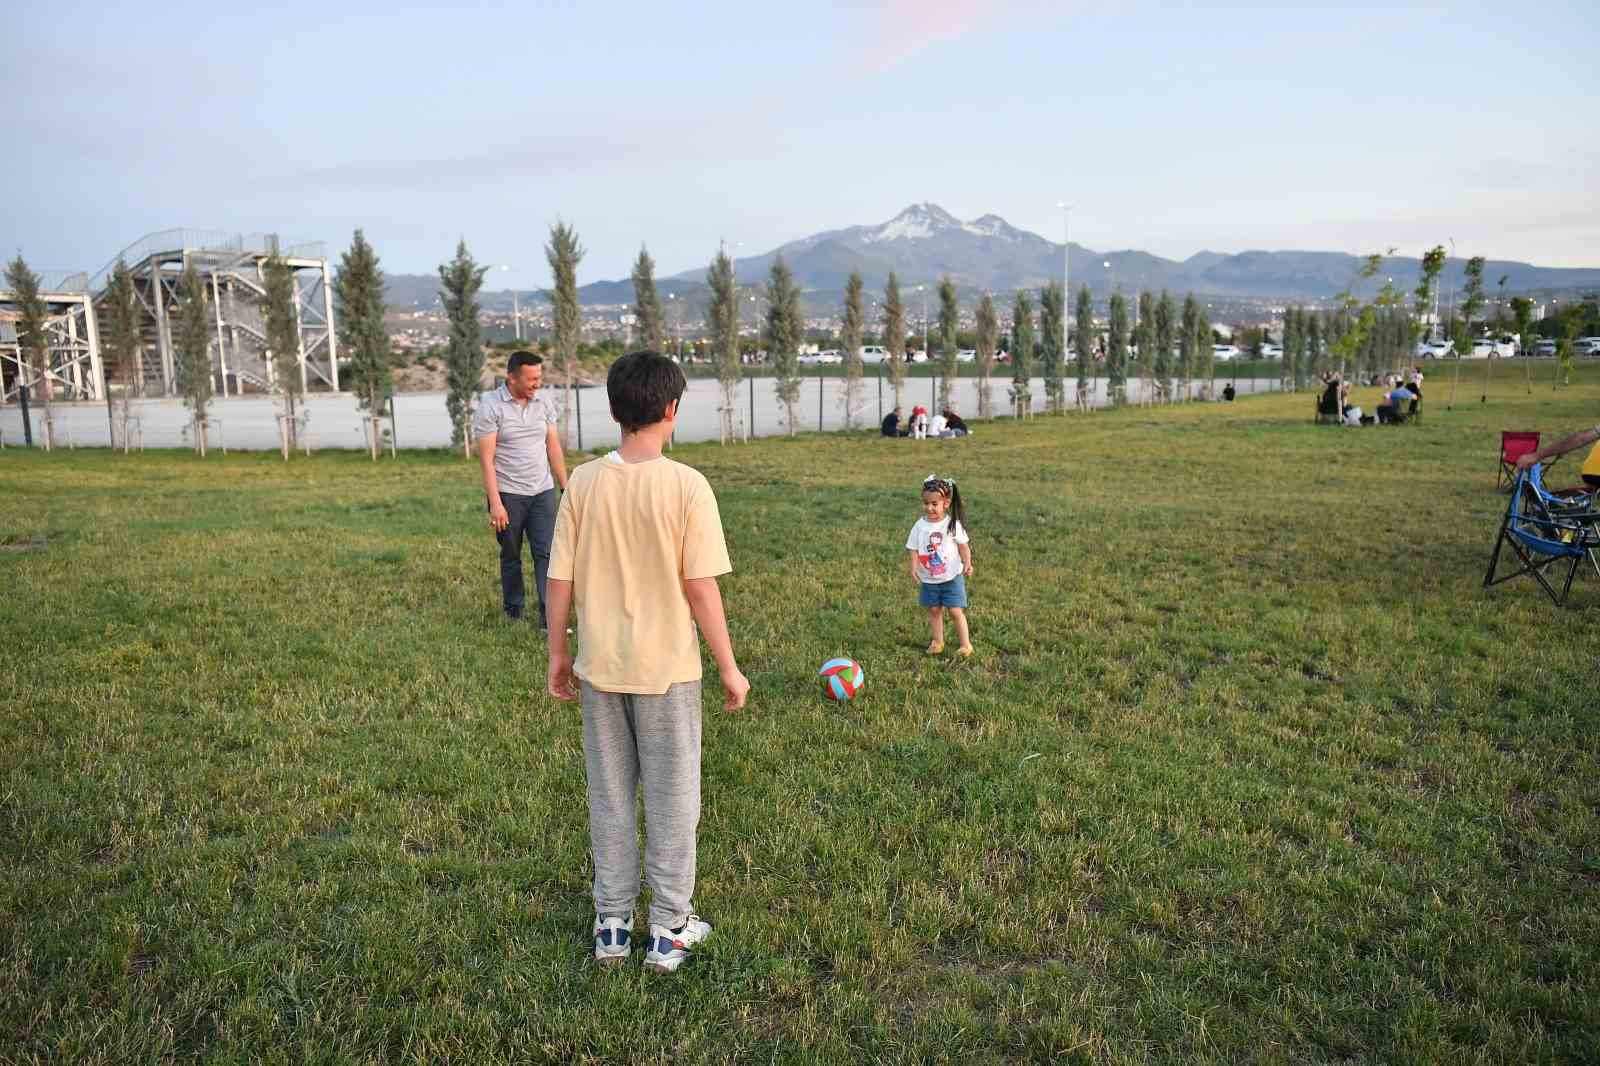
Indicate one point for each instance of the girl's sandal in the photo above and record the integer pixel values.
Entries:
(935, 648)
(965, 651)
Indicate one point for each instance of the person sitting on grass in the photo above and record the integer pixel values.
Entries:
(1390, 412)
(891, 425)
(1591, 465)
(954, 425)
(1332, 395)
(941, 561)
(638, 545)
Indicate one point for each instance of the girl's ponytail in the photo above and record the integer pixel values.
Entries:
(958, 514)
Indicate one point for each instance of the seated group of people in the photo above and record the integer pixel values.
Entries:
(944, 424)
(1400, 399)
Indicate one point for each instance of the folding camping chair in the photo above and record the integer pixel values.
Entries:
(1541, 536)
(1561, 501)
(1513, 446)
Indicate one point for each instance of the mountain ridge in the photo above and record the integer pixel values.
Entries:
(924, 243)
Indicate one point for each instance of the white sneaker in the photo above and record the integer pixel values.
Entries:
(669, 947)
(613, 940)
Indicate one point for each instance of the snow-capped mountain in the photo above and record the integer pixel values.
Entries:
(925, 242)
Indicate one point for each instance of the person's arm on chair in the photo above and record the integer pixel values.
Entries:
(1560, 447)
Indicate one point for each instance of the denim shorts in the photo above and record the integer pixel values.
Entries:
(952, 593)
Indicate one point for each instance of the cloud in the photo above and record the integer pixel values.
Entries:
(904, 28)
(899, 30)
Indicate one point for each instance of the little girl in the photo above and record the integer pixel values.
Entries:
(941, 561)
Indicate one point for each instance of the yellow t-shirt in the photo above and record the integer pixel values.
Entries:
(1591, 465)
(628, 535)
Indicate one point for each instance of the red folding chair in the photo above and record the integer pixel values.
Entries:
(1513, 446)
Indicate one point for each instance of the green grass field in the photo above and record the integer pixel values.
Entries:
(1248, 768)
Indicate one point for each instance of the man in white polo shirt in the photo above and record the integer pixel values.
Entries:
(519, 450)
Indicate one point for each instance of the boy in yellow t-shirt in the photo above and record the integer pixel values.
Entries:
(638, 546)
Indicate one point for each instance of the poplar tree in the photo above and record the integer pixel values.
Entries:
(459, 283)
(949, 321)
(1291, 338)
(1022, 355)
(648, 331)
(1522, 312)
(724, 316)
(1188, 358)
(1471, 302)
(1313, 348)
(1208, 355)
(1145, 338)
(781, 336)
(894, 335)
(564, 253)
(988, 343)
(283, 344)
(1084, 346)
(1117, 350)
(1052, 312)
(850, 339)
(1427, 284)
(33, 341)
(358, 291)
(192, 339)
(122, 342)
(1165, 316)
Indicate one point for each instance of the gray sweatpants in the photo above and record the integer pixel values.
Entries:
(653, 740)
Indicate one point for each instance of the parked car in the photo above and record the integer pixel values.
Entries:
(830, 357)
(808, 359)
(1272, 351)
(1484, 347)
(1223, 353)
(1588, 346)
(967, 355)
(1545, 349)
(916, 357)
(873, 353)
(1435, 350)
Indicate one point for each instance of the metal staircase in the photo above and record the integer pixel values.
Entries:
(232, 267)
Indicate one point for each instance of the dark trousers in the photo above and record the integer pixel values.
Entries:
(535, 517)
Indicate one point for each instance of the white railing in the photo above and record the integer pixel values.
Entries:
(176, 240)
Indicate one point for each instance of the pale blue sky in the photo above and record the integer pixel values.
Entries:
(1211, 126)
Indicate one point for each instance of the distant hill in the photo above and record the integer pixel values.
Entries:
(925, 242)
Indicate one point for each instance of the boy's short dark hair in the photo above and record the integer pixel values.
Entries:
(640, 385)
(520, 359)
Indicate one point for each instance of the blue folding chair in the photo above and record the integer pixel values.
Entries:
(1567, 500)
(1542, 531)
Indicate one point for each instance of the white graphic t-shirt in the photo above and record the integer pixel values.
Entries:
(938, 560)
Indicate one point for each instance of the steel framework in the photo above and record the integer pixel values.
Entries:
(232, 266)
(73, 369)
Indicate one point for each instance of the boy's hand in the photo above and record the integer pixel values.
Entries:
(735, 687)
(560, 683)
